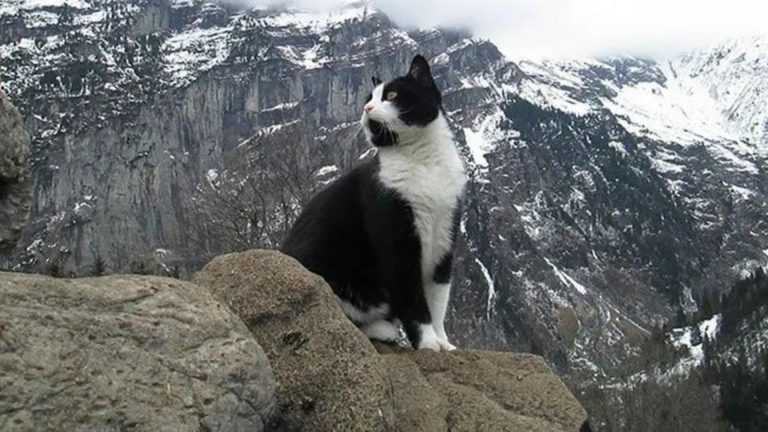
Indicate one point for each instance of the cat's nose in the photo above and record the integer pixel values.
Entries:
(368, 108)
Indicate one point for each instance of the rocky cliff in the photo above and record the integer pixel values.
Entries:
(151, 353)
(15, 175)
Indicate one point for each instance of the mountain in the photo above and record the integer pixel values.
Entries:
(605, 195)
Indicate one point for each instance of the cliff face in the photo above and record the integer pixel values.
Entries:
(15, 182)
(152, 98)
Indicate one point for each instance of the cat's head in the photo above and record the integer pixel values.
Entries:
(402, 106)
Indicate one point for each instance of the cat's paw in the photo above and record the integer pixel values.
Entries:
(445, 345)
(433, 345)
(381, 330)
(429, 339)
(443, 338)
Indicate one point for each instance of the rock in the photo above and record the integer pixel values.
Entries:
(15, 184)
(126, 352)
(330, 377)
(476, 390)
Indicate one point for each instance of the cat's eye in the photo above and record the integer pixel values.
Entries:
(391, 96)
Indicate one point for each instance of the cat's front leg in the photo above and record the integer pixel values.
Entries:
(428, 338)
(411, 307)
(437, 299)
(438, 292)
(402, 277)
(395, 240)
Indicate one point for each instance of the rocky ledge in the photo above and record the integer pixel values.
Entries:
(332, 378)
(255, 343)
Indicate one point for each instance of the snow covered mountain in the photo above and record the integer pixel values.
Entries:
(605, 194)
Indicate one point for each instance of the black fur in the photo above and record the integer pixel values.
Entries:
(380, 136)
(417, 95)
(443, 271)
(360, 236)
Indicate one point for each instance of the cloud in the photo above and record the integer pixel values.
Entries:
(576, 28)
(309, 5)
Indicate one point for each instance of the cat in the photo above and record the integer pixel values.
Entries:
(382, 234)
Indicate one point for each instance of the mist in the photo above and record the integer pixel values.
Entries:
(574, 28)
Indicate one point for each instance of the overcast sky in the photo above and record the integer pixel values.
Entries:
(574, 28)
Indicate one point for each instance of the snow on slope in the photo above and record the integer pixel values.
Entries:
(683, 338)
(567, 280)
(12, 7)
(194, 51)
(665, 113)
(714, 97)
(197, 50)
(313, 21)
(552, 85)
(734, 76)
(491, 288)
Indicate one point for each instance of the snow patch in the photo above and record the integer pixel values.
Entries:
(212, 176)
(619, 147)
(281, 107)
(484, 135)
(188, 54)
(665, 167)
(491, 288)
(683, 338)
(549, 84)
(740, 193)
(315, 21)
(567, 280)
(326, 170)
(478, 147)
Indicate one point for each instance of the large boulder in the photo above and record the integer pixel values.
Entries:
(126, 353)
(15, 183)
(330, 377)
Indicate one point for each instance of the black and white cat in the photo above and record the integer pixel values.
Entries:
(382, 234)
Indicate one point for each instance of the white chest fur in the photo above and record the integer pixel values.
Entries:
(426, 170)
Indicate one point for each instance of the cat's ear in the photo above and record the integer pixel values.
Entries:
(420, 71)
(376, 81)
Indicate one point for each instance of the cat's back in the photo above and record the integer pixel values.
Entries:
(333, 212)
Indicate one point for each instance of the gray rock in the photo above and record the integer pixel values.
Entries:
(478, 391)
(332, 378)
(15, 184)
(126, 352)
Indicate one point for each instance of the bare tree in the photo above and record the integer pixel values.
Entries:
(254, 202)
